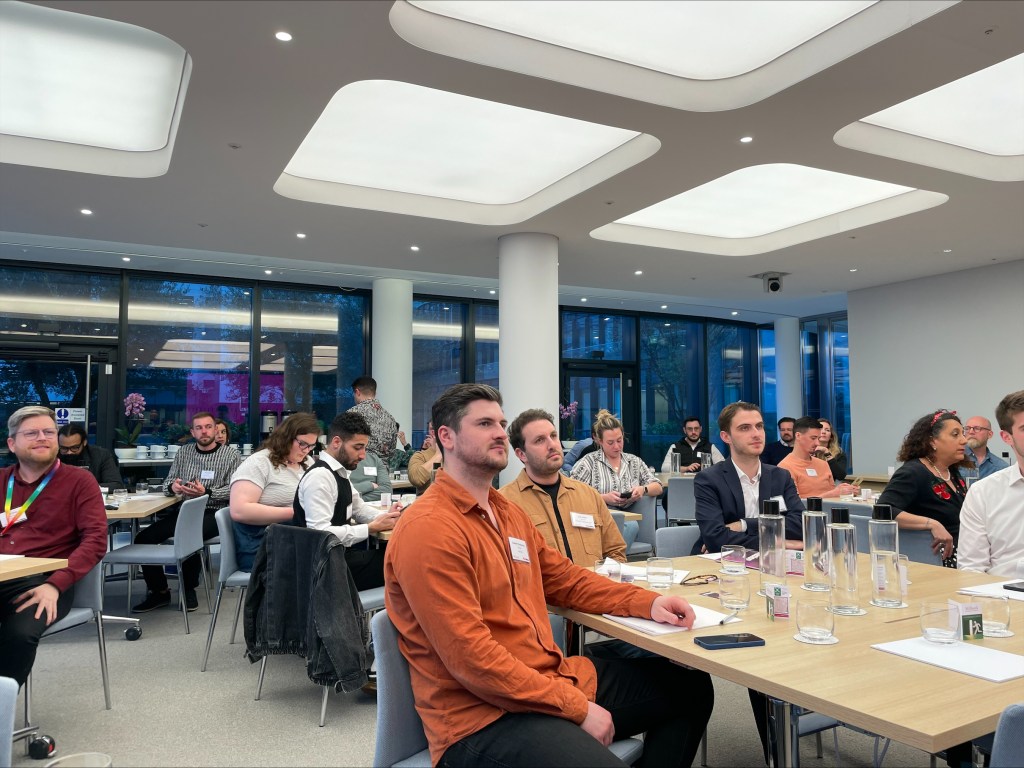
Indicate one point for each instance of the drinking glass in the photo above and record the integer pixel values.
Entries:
(120, 495)
(734, 591)
(995, 616)
(734, 558)
(675, 458)
(939, 624)
(141, 488)
(659, 572)
(814, 621)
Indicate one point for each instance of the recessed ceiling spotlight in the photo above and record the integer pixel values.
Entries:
(300, 235)
(268, 271)
(284, 37)
(668, 324)
(584, 298)
(492, 292)
(95, 329)
(86, 212)
(414, 247)
(853, 269)
(607, 319)
(746, 139)
(24, 325)
(141, 349)
(245, 293)
(947, 250)
(445, 308)
(664, 306)
(126, 258)
(638, 272)
(735, 313)
(136, 359)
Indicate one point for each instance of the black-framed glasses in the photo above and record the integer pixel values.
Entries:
(976, 429)
(704, 578)
(304, 445)
(72, 448)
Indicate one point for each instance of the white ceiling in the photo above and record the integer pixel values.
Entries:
(250, 90)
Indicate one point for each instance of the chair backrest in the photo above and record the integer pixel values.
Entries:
(8, 702)
(647, 507)
(228, 556)
(399, 729)
(917, 546)
(188, 530)
(620, 521)
(682, 504)
(89, 589)
(1008, 745)
(860, 522)
(558, 630)
(677, 540)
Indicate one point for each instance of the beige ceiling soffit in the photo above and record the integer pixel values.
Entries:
(826, 226)
(492, 47)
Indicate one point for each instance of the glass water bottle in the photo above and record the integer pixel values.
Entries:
(816, 575)
(883, 538)
(771, 535)
(842, 545)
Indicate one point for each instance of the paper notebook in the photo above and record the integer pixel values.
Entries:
(705, 618)
(973, 660)
(995, 589)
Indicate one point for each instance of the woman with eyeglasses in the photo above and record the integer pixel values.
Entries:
(829, 450)
(263, 486)
(927, 490)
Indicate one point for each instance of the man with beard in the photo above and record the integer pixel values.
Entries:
(75, 451)
(200, 468)
(570, 515)
(50, 510)
(978, 431)
(468, 579)
(325, 499)
(775, 452)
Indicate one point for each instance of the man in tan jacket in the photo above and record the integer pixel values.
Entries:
(570, 515)
(425, 461)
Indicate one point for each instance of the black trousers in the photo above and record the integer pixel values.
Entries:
(670, 703)
(20, 632)
(367, 566)
(159, 532)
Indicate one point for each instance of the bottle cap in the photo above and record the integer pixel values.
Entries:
(882, 512)
(770, 507)
(841, 515)
(813, 504)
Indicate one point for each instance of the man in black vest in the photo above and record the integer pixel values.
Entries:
(690, 445)
(325, 500)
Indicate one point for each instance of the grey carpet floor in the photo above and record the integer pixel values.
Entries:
(168, 713)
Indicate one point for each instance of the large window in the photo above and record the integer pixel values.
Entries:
(825, 356)
(729, 356)
(438, 327)
(598, 336)
(671, 376)
(485, 332)
(768, 402)
(42, 302)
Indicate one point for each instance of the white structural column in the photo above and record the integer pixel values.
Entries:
(391, 350)
(527, 327)
(788, 395)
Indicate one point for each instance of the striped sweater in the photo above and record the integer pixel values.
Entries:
(189, 464)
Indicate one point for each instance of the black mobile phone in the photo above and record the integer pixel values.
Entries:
(1014, 586)
(625, 494)
(738, 640)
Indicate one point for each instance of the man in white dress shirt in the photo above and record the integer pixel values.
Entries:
(325, 500)
(992, 517)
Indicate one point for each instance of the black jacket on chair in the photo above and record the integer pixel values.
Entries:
(302, 600)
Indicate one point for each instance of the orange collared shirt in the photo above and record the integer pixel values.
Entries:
(473, 621)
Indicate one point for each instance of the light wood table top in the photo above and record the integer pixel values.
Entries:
(20, 567)
(631, 515)
(138, 507)
(663, 477)
(924, 706)
(402, 485)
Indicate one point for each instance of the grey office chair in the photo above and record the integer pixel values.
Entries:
(682, 504)
(188, 540)
(1008, 745)
(676, 541)
(228, 577)
(644, 544)
(8, 703)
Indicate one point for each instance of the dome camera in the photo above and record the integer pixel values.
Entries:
(772, 283)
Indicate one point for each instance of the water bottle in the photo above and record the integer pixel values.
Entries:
(816, 576)
(1006, 457)
(674, 458)
(842, 545)
(705, 460)
(771, 534)
(883, 537)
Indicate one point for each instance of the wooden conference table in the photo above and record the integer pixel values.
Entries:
(927, 707)
(19, 567)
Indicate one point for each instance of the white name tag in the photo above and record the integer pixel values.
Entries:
(370, 471)
(518, 549)
(4, 520)
(782, 503)
(206, 474)
(812, 472)
(580, 520)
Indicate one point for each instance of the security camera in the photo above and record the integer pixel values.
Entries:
(772, 282)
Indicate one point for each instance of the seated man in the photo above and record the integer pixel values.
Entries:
(75, 451)
(50, 510)
(468, 581)
(690, 448)
(991, 534)
(424, 462)
(570, 515)
(775, 452)
(371, 478)
(325, 499)
(810, 474)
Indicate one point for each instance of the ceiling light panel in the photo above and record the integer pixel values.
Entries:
(87, 94)
(697, 55)
(974, 125)
(766, 207)
(402, 148)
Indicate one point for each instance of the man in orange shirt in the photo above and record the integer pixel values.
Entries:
(811, 475)
(468, 579)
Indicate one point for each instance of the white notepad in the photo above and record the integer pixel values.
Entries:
(705, 617)
(994, 589)
(973, 660)
(10, 557)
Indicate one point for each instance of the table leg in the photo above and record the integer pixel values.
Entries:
(781, 726)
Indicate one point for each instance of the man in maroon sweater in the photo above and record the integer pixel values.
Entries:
(50, 510)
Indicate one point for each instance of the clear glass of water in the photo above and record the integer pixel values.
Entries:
(141, 488)
(814, 621)
(120, 495)
(734, 591)
(659, 572)
(939, 624)
(995, 616)
(734, 558)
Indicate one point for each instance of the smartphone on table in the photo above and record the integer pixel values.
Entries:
(736, 640)
(1014, 586)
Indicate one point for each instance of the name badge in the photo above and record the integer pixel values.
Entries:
(782, 502)
(518, 549)
(370, 471)
(206, 474)
(4, 519)
(580, 520)
(812, 472)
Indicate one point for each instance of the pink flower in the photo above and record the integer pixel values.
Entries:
(134, 405)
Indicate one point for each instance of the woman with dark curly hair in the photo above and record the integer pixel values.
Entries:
(928, 491)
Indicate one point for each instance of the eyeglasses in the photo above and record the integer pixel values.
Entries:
(304, 445)
(976, 429)
(72, 448)
(706, 578)
(33, 434)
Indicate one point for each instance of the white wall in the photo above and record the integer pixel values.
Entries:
(952, 341)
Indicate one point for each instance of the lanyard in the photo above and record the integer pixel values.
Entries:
(24, 507)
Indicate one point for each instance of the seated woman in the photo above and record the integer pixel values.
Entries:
(263, 486)
(829, 450)
(928, 490)
(612, 472)
(221, 432)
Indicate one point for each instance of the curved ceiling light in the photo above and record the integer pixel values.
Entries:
(81, 93)
(702, 55)
(973, 126)
(391, 146)
(764, 208)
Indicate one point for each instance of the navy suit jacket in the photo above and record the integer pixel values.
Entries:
(775, 452)
(720, 502)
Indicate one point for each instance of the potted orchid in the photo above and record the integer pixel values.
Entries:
(567, 415)
(134, 407)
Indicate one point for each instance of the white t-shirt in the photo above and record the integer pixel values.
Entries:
(278, 483)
